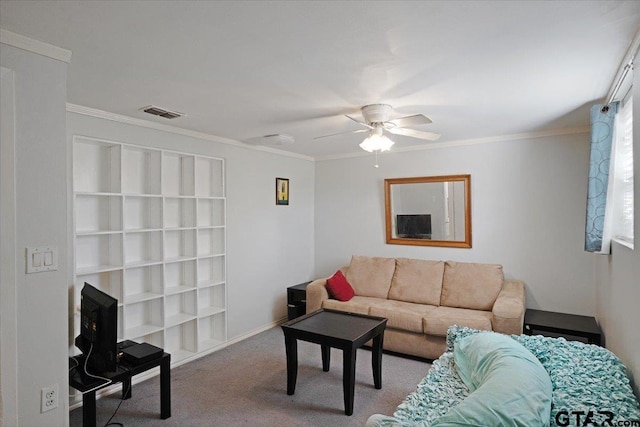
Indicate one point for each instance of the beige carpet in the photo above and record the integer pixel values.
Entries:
(245, 384)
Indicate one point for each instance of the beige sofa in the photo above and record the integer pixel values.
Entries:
(422, 298)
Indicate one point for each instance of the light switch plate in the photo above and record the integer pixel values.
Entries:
(36, 259)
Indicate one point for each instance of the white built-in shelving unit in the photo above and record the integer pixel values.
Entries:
(149, 229)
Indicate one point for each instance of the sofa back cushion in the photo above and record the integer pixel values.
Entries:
(470, 285)
(371, 276)
(417, 280)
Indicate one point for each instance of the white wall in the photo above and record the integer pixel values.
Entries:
(618, 277)
(269, 247)
(528, 210)
(40, 219)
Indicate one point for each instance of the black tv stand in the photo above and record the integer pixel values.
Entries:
(123, 374)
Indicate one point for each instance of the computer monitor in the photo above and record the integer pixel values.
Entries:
(414, 226)
(98, 339)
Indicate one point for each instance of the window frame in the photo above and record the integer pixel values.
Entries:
(623, 174)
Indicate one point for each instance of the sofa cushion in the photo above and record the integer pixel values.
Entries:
(417, 280)
(357, 304)
(470, 285)
(508, 385)
(371, 276)
(401, 315)
(437, 321)
(339, 288)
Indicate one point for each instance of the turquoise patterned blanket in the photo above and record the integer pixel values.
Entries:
(590, 385)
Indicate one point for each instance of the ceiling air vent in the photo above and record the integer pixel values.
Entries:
(162, 112)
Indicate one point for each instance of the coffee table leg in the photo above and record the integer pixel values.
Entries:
(326, 357)
(349, 378)
(376, 360)
(291, 346)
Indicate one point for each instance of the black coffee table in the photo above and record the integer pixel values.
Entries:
(337, 329)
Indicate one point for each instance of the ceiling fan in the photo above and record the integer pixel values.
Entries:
(376, 121)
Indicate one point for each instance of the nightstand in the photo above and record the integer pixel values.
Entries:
(297, 300)
(570, 326)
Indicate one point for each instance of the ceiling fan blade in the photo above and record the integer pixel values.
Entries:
(341, 133)
(415, 120)
(429, 136)
(359, 122)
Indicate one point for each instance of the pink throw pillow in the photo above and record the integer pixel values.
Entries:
(339, 288)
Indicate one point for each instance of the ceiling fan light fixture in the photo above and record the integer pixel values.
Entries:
(376, 141)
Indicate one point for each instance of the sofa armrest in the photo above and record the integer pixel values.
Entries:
(508, 310)
(316, 293)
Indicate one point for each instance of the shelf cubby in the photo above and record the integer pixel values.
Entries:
(142, 213)
(211, 241)
(143, 318)
(211, 300)
(98, 213)
(140, 170)
(209, 177)
(211, 213)
(143, 283)
(96, 166)
(179, 244)
(96, 253)
(181, 340)
(109, 282)
(179, 212)
(211, 270)
(178, 174)
(180, 308)
(212, 331)
(143, 248)
(155, 338)
(179, 276)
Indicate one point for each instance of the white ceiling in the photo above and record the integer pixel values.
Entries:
(245, 69)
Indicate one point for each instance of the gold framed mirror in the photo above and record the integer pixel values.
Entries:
(429, 211)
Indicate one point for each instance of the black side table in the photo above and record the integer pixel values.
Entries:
(297, 300)
(568, 326)
(124, 373)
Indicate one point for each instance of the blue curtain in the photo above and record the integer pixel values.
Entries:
(596, 229)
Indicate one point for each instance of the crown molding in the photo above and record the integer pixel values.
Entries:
(472, 141)
(35, 46)
(93, 112)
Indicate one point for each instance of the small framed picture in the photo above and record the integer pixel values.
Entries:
(282, 191)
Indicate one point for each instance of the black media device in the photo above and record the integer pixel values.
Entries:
(98, 339)
(141, 353)
(414, 226)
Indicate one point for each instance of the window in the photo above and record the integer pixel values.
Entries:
(623, 173)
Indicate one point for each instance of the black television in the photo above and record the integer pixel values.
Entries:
(413, 226)
(98, 339)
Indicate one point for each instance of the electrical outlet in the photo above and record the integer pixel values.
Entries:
(49, 398)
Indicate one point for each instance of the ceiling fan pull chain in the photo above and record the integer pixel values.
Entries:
(376, 165)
